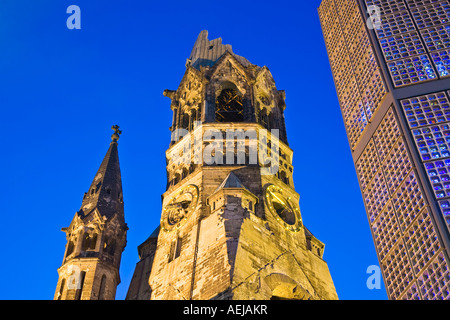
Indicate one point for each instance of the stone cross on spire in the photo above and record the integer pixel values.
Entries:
(116, 135)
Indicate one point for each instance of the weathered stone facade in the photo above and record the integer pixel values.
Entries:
(230, 228)
(96, 237)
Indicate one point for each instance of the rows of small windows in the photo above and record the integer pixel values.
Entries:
(367, 165)
(438, 173)
(411, 70)
(437, 38)
(441, 60)
(370, 87)
(376, 195)
(386, 134)
(405, 53)
(353, 64)
(397, 270)
(385, 144)
(408, 201)
(434, 283)
(422, 245)
(395, 23)
(354, 114)
(402, 46)
(386, 230)
(404, 215)
(396, 208)
(432, 14)
(419, 3)
(396, 165)
(426, 110)
(412, 293)
(433, 142)
(428, 118)
(421, 241)
(387, 7)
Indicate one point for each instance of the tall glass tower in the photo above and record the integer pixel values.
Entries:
(391, 68)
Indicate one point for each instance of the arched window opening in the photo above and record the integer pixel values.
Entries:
(264, 118)
(89, 241)
(61, 289)
(185, 124)
(79, 290)
(177, 178)
(70, 248)
(184, 173)
(175, 248)
(101, 292)
(229, 106)
(284, 177)
(110, 246)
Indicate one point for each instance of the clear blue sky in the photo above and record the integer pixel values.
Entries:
(61, 90)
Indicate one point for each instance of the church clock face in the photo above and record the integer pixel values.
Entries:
(285, 211)
(180, 207)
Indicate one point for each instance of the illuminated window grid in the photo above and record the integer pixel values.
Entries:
(327, 17)
(335, 38)
(387, 7)
(434, 283)
(396, 166)
(426, 110)
(374, 93)
(338, 53)
(343, 74)
(397, 270)
(401, 46)
(376, 195)
(357, 109)
(439, 175)
(348, 13)
(394, 24)
(421, 241)
(386, 230)
(408, 201)
(441, 60)
(427, 118)
(353, 28)
(433, 142)
(411, 70)
(367, 73)
(404, 223)
(367, 165)
(387, 134)
(436, 38)
(431, 14)
(419, 3)
(412, 293)
(353, 112)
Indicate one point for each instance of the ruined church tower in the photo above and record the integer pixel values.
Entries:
(231, 226)
(96, 237)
